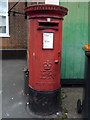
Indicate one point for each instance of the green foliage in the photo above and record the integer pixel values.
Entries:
(63, 95)
(64, 110)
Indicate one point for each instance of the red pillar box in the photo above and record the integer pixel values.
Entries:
(45, 48)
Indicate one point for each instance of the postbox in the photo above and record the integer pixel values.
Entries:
(44, 51)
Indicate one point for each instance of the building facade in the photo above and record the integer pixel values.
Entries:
(75, 35)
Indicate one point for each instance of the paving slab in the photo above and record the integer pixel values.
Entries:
(70, 102)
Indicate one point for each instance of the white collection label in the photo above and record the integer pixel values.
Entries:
(55, 2)
(48, 40)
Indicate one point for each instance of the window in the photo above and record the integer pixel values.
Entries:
(4, 28)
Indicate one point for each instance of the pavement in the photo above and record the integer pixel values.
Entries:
(14, 100)
(70, 102)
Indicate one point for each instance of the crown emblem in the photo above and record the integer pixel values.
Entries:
(47, 65)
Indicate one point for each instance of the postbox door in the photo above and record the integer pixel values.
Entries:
(45, 57)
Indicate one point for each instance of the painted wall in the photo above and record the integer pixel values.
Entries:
(75, 36)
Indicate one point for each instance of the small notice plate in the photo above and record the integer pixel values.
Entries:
(48, 40)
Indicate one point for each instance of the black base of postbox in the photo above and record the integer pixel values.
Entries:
(44, 102)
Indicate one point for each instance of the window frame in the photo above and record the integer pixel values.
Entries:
(7, 22)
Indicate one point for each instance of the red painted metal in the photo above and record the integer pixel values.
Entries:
(44, 64)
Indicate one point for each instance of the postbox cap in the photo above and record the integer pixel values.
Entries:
(46, 10)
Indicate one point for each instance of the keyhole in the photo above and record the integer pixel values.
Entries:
(58, 54)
